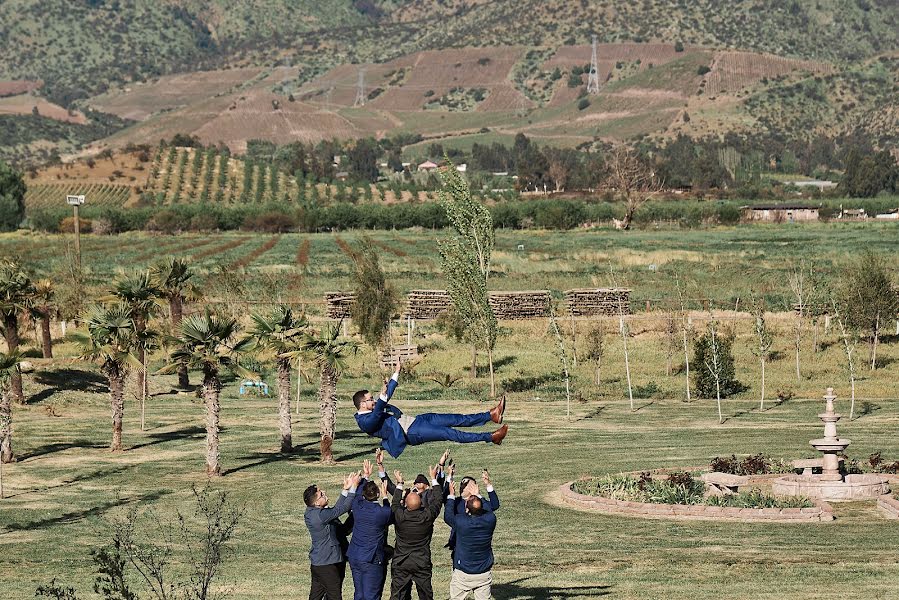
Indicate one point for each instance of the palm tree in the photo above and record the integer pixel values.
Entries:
(141, 295)
(15, 298)
(206, 342)
(112, 339)
(43, 308)
(329, 353)
(9, 366)
(282, 334)
(173, 280)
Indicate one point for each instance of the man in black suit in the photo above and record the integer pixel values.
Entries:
(414, 526)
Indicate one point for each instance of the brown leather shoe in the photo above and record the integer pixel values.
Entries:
(499, 435)
(496, 413)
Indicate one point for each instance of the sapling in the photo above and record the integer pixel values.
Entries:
(763, 342)
(595, 349)
(563, 356)
(686, 330)
(849, 343)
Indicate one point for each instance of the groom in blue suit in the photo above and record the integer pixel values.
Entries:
(397, 430)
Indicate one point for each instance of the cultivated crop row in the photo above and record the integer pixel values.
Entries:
(96, 194)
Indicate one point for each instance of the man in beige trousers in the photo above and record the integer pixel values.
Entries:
(474, 523)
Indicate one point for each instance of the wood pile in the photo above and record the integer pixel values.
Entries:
(585, 302)
(520, 305)
(388, 359)
(426, 305)
(339, 304)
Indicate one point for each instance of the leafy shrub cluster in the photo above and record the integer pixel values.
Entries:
(758, 499)
(677, 488)
(879, 465)
(704, 380)
(756, 464)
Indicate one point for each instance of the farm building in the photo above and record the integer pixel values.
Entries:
(890, 214)
(780, 213)
(854, 214)
(427, 166)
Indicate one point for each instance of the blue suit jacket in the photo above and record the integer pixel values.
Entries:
(382, 422)
(370, 522)
(474, 540)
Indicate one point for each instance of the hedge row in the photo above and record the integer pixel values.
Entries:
(279, 217)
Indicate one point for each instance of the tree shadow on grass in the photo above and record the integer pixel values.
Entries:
(105, 472)
(513, 591)
(59, 447)
(72, 380)
(192, 432)
(594, 412)
(78, 515)
(264, 458)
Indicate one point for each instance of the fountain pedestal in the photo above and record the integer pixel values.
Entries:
(830, 484)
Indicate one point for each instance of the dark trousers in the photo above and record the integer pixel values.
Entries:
(432, 427)
(327, 581)
(368, 580)
(403, 578)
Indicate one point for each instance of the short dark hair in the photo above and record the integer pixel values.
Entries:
(358, 397)
(474, 505)
(370, 491)
(309, 495)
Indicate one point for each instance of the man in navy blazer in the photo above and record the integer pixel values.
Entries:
(469, 488)
(366, 554)
(396, 430)
(473, 560)
(326, 554)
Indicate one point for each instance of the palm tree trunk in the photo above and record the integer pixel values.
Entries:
(6, 455)
(176, 308)
(211, 389)
(46, 340)
(117, 400)
(284, 404)
(11, 333)
(327, 397)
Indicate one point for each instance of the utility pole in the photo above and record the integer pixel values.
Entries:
(75, 202)
(593, 78)
(360, 89)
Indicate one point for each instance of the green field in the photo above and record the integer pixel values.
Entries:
(66, 485)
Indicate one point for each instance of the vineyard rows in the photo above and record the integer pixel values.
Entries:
(191, 175)
(96, 194)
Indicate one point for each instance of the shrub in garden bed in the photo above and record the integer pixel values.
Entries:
(758, 499)
(757, 464)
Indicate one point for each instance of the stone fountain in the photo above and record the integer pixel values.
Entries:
(831, 484)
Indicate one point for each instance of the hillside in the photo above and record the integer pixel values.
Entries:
(226, 70)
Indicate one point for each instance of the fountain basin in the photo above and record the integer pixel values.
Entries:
(854, 487)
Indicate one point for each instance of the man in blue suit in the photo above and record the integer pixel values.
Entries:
(473, 559)
(396, 430)
(366, 554)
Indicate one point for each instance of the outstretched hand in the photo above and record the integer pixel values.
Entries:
(383, 487)
(398, 476)
(471, 488)
(366, 468)
(432, 471)
(452, 488)
(379, 459)
(352, 480)
(485, 477)
(444, 457)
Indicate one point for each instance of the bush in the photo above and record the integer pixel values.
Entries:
(678, 46)
(757, 464)
(203, 222)
(704, 382)
(582, 104)
(703, 70)
(67, 225)
(165, 221)
(270, 222)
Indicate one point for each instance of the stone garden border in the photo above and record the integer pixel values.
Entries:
(889, 506)
(821, 512)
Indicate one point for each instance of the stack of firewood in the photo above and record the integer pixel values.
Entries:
(340, 304)
(586, 302)
(425, 305)
(520, 305)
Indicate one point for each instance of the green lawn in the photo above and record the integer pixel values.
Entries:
(66, 485)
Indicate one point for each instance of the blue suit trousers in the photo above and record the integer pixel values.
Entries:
(432, 427)
(368, 580)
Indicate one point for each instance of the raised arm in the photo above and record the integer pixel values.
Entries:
(396, 506)
(491, 493)
(435, 499)
(393, 382)
(350, 483)
(449, 515)
(382, 472)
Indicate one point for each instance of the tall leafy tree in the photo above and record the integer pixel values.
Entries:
(376, 297)
(329, 352)
(142, 295)
(283, 335)
(208, 343)
(16, 290)
(112, 339)
(466, 263)
(870, 302)
(173, 279)
(9, 366)
(12, 197)
(44, 307)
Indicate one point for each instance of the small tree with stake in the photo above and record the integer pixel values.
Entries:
(849, 340)
(763, 341)
(870, 301)
(596, 347)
